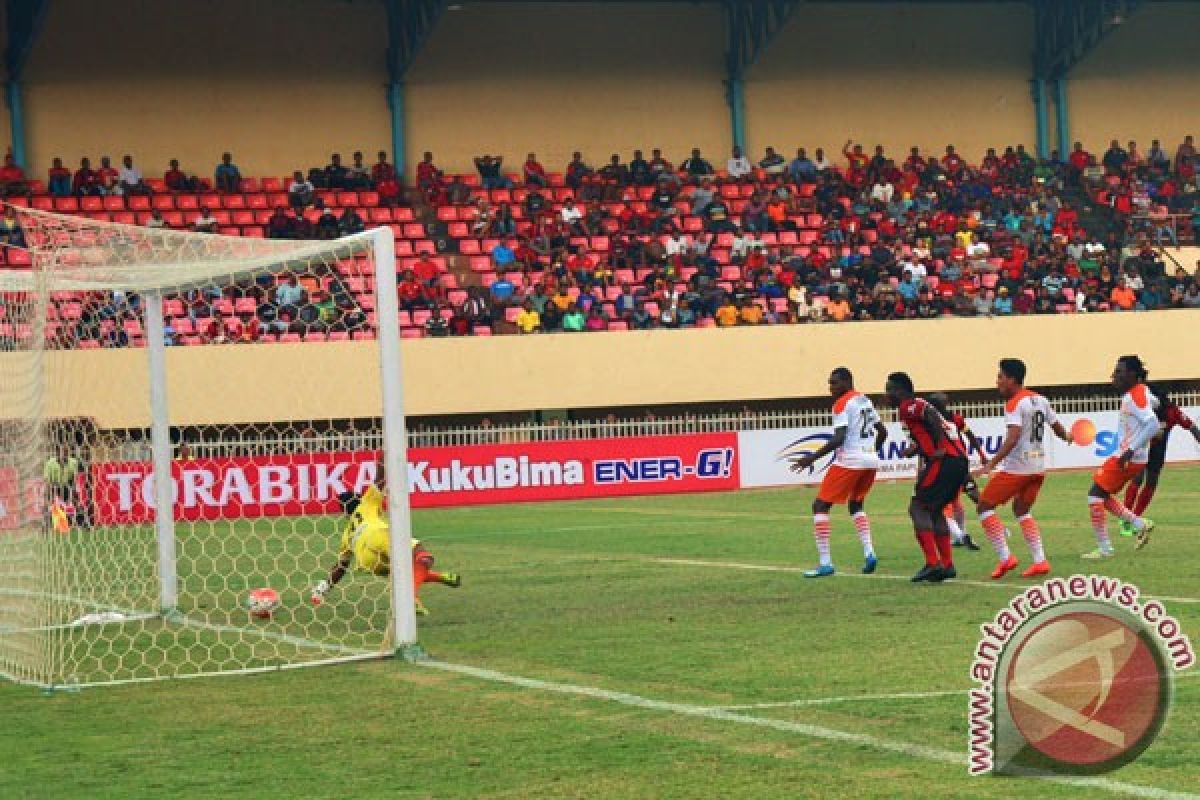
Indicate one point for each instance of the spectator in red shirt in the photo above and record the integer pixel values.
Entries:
(1066, 220)
(426, 270)
(856, 158)
(59, 179)
(86, 180)
(108, 175)
(1079, 158)
(430, 179)
(915, 161)
(391, 193)
(12, 178)
(582, 266)
(177, 180)
(410, 293)
(381, 170)
(952, 162)
(534, 172)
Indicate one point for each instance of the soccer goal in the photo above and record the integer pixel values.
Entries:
(105, 420)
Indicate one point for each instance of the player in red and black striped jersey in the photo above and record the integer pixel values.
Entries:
(956, 515)
(942, 473)
(1141, 489)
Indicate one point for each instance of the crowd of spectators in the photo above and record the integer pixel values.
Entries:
(926, 237)
(650, 244)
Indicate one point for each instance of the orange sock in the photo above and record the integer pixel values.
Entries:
(421, 574)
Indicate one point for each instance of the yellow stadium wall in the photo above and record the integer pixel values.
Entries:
(1140, 82)
(510, 78)
(249, 383)
(281, 84)
(896, 74)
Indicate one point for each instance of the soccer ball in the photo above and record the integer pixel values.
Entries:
(262, 603)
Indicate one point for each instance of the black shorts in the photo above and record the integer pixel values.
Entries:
(1158, 455)
(940, 480)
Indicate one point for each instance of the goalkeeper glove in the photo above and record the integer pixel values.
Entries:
(318, 593)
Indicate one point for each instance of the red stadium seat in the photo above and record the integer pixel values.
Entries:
(114, 203)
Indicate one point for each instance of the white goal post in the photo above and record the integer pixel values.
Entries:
(97, 584)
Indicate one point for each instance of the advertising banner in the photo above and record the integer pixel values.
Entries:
(766, 456)
(282, 485)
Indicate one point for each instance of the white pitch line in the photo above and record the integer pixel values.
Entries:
(826, 701)
(803, 729)
(695, 562)
(851, 698)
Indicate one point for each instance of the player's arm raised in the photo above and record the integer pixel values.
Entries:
(806, 461)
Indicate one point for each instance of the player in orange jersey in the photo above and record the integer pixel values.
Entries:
(1138, 426)
(858, 434)
(1020, 466)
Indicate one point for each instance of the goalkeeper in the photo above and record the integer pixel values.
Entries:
(365, 541)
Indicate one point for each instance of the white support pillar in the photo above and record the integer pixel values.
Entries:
(160, 441)
(395, 439)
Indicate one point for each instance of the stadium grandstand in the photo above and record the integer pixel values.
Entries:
(635, 235)
(287, 290)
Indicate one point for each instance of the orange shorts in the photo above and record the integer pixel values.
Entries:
(844, 485)
(1112, 477)
(1004, 486)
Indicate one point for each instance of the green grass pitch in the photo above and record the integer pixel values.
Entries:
(584, 594)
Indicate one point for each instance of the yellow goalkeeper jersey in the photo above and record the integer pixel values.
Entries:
(366, 536)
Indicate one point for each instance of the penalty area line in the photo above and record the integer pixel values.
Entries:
(909, 749)
(695, 562)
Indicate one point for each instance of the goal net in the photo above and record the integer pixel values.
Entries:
(143, 369)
